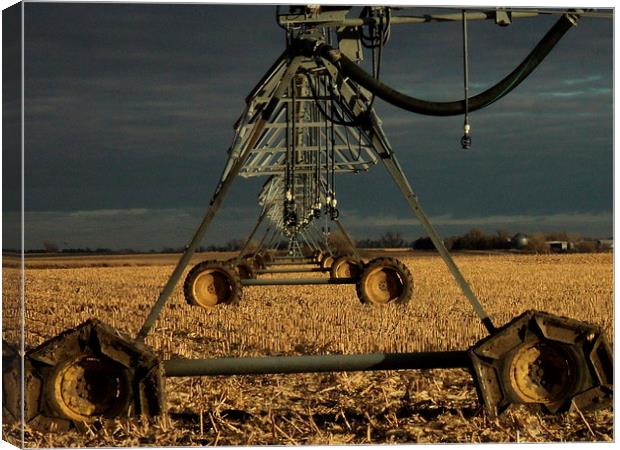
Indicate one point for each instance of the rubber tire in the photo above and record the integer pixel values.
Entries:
(245, 271)
(233, 278)
(327, 261)
(11, 380)
(132, 360)
(260, 262)
(317, 256)
(403, 273)
(248, 270)
(346, 258)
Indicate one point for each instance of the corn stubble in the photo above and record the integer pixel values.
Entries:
(344, 408)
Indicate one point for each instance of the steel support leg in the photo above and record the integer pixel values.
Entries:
(276, 239)
(320, 239)
(374, 132)
(393, 168)
(238, 155)
(328, 249)
(251, 236)
(310, 236)
(307, 242)
(261, 244)
(310, 241)
(271, 242)
(214, 206)
(348, 239)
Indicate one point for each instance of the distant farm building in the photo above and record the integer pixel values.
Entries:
(606, 244)
(560, 246)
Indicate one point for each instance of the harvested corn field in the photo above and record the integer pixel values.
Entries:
(380, 407)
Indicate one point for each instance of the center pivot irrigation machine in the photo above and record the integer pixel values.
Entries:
(309, 118)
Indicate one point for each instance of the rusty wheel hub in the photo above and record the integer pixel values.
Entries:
(90, 386)
(544, 360)
(327, 262)
(90, 372)
(542, 372)
(347, 269)
(343, 270)
(212, 287)
(383, 285)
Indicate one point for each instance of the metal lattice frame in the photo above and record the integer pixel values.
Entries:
(254, 144)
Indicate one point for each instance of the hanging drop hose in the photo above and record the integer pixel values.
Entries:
(466, 139)
(349, 69)
(335, 118)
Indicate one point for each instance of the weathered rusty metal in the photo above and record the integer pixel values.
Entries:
(11, 383)
(93, 371)
(88, 373)
(546, 360)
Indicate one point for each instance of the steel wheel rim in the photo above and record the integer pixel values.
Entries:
(211, 287)
(542, 372)
(89, 387)
(346, 269)
(328, 261)
(383, 285)
(343, 270)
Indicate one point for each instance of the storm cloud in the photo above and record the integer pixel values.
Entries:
(129, 109)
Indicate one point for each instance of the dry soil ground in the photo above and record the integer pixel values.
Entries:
(373, 407)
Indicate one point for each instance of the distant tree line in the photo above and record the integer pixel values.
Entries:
(474, 239)
(477, 239)
(387, 240)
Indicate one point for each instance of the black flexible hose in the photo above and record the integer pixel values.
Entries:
(349, 69)
(338, 120)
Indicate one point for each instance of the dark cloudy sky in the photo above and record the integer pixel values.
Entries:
(129, 112)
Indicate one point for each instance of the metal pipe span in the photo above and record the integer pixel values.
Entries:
(300, 270)
(296, 281)
(430, 18)
(289, 263)
(315, 363)
(403, 20)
